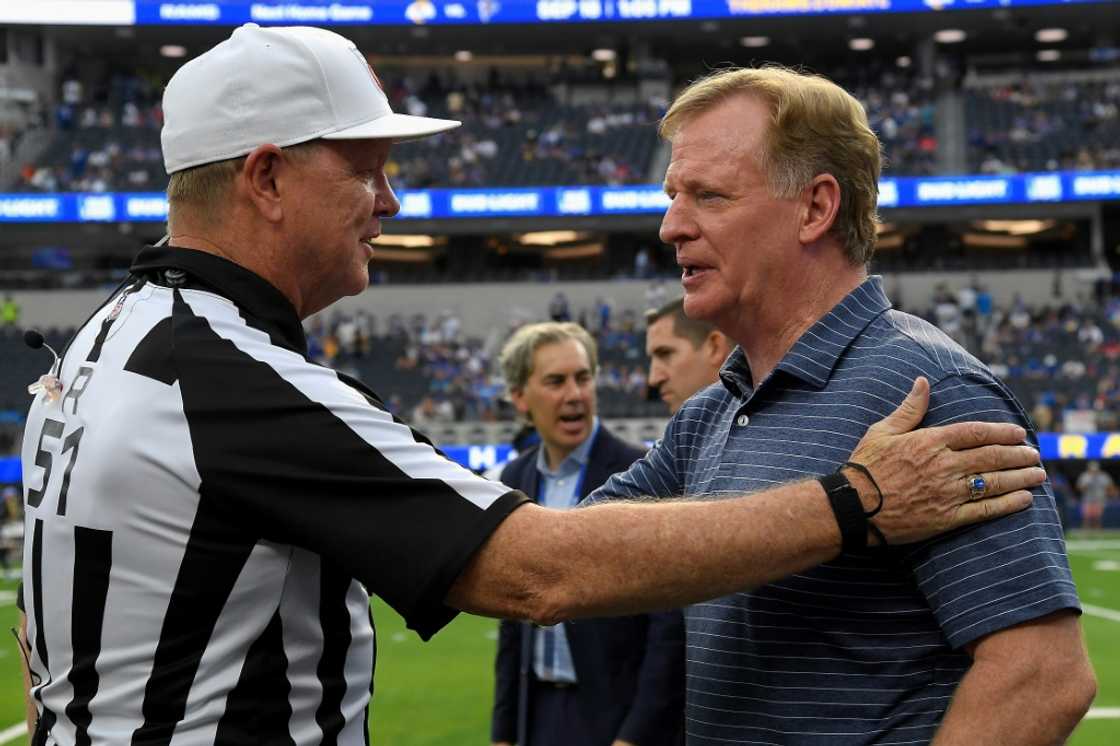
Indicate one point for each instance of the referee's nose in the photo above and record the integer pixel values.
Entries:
(385, 203)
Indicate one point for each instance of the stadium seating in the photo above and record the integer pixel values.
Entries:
(514, 136)
(900, 110)
(1044, 124)
(1056, 359)
(520, 134)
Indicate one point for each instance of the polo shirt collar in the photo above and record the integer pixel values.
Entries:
(815, 354)
(252, 293)
(735, 373)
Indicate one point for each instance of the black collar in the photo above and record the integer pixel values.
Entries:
(260, 301)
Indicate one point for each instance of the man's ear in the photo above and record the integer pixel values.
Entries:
(517, 398)
(716, 347)
(820, 202)
(258, 180)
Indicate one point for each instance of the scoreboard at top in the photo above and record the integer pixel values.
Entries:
(447, 12)
(622, 10)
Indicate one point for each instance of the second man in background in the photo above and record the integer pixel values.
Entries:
(595, 682)
(685, 354)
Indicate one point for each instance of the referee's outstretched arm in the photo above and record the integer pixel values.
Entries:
(626, 557)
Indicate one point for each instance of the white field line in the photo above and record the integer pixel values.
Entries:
(10, 734)
(1092, 545)
(1103, 713)
(1102, 612)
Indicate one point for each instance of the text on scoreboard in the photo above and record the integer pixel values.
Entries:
(448, 12)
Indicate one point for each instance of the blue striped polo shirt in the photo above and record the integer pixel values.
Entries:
(866, 648)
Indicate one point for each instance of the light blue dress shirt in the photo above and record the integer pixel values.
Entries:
(559, 489)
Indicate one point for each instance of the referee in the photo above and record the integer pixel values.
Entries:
(208, 511)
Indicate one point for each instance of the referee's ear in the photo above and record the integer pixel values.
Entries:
(260, 183)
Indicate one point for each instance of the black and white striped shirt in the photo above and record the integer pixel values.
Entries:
(867, 648)
(207, 514)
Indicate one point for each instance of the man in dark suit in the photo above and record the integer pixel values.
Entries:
(597, 682)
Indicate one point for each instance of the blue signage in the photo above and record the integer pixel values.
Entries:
(1054, 446)
(1064, 186)
(437, 12)
(565, 201)
(479, 458)
(9, 470)
(475, 458)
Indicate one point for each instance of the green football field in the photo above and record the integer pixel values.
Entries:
(439, 693)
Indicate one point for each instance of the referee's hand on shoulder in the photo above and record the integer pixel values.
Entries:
(927, 477)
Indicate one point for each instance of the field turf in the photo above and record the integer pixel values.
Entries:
(439, 693)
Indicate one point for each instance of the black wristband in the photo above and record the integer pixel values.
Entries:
(848, 509)
(875, 511)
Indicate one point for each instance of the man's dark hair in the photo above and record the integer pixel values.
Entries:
(693, 330)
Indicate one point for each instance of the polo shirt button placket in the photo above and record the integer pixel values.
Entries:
(742, 420)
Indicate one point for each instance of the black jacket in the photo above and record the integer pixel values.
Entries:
(630, 669)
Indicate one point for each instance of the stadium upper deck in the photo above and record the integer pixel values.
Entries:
(925, 78)
(559, 131)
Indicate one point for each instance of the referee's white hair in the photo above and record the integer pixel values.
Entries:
(205, 189)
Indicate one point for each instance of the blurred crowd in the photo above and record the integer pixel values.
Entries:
(107, 139)
(510, 124)
(900, 110)
(1032, 126)
(432, 371)
(1062, 360)
(516, 131)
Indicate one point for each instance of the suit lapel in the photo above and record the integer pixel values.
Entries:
(530, 479)
(600, 462)
(533, 483)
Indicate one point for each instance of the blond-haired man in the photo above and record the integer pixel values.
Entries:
(209, 511)
(965, 639)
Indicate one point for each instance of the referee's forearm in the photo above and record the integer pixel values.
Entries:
(623, 558)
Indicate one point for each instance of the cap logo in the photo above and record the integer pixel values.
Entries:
(369, 69)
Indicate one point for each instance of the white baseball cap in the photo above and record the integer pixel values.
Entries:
(279, 86)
